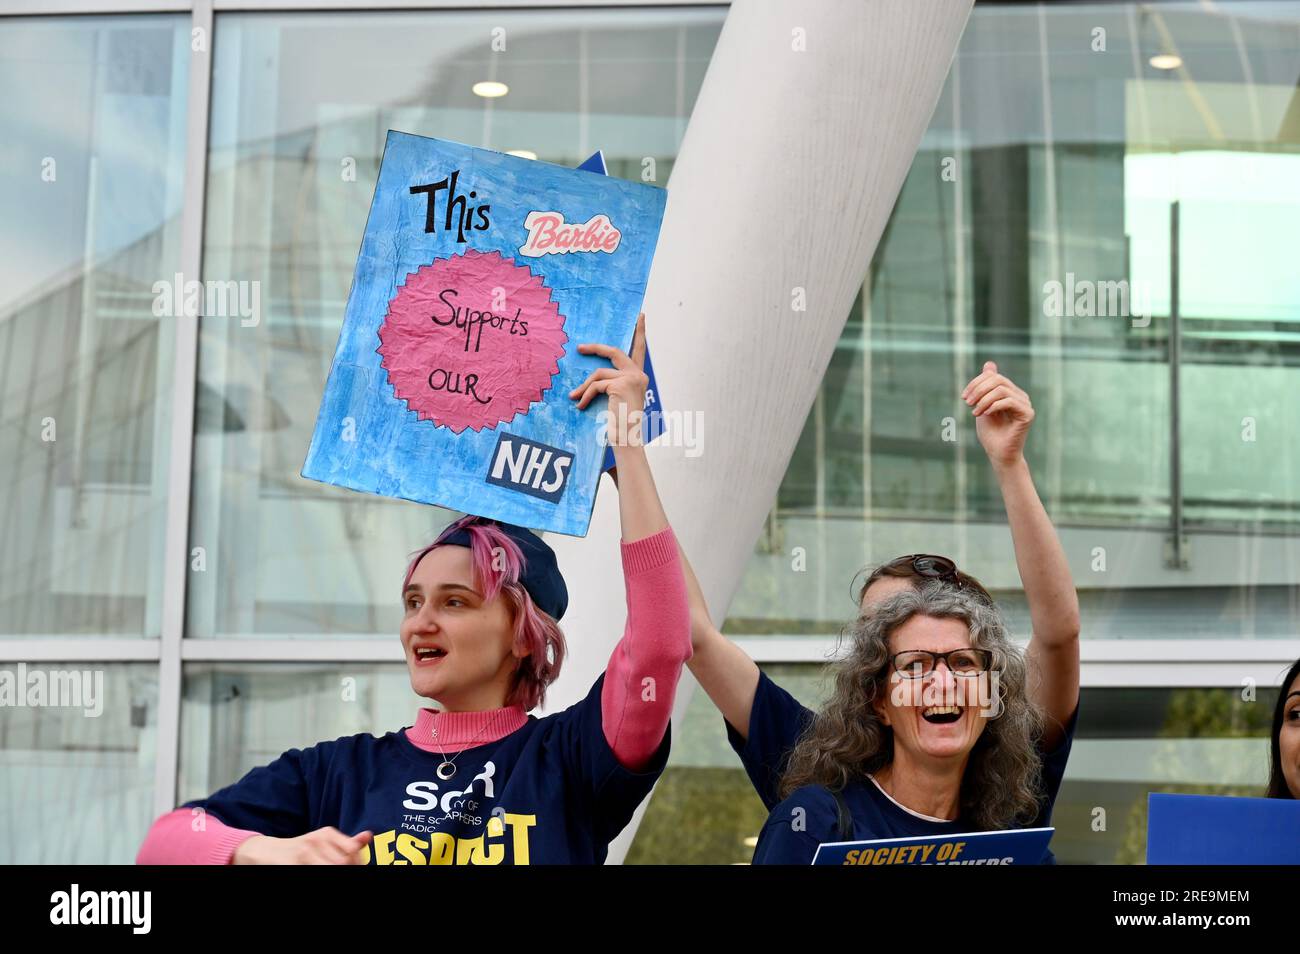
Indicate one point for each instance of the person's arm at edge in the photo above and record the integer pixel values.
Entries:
(274, 790)
(174, 839)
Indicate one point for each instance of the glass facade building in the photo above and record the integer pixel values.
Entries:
(1145, 157)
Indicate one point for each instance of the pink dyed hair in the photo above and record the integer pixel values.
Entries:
(536, 633)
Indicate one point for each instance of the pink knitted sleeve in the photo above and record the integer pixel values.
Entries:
(174, 840)
(641, 679)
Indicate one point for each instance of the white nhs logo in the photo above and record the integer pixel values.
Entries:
(529, 467)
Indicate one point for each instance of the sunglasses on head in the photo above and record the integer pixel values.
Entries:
(928, 566)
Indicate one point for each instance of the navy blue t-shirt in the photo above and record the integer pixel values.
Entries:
(551, 792)
(776, 721)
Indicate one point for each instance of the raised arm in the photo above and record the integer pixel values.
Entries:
(764, 720)
(1003, 413)
(641, 678)
(723, 670)
(721, 667)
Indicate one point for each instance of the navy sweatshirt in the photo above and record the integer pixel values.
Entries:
(551, 792)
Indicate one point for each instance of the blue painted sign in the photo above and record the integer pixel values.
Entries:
(479, 274)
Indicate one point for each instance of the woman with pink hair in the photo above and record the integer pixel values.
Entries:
(478, 780)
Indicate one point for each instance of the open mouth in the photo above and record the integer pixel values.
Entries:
(429, 654)
(941, 715)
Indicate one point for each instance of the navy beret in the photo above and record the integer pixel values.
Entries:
(540, 574)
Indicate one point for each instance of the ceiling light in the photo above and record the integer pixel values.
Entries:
(490, 89)
(1166, 61)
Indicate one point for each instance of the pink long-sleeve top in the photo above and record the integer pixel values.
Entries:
(637, 696)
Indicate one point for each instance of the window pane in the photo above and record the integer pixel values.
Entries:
(94, 150)
(237, 716)
(1034, 229)
(77, 763)
(1138, 741)
(300, 108)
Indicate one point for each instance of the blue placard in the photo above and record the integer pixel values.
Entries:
(1021, 846)
(652, 426)
(479, 274)
(1220, 830)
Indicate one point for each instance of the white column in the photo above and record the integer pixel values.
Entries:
(805, 127)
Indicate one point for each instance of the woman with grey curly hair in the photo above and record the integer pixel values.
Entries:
(929, 730)
(764, 722)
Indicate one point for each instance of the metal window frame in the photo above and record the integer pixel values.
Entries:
(1105, 663)
(181, 448)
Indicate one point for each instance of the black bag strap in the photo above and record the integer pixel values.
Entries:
(843, 816)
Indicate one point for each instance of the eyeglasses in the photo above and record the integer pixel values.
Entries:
(915, 663)
(931, 567)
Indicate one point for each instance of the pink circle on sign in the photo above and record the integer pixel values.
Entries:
(471, 340)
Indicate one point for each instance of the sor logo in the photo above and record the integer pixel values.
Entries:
(529, 467)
